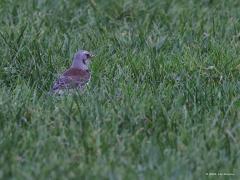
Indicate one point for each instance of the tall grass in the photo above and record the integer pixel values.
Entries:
(163, 101)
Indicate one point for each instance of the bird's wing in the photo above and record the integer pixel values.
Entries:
(67, 82)
(62, 83)
(71, 79)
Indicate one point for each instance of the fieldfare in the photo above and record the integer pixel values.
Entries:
(77, 76)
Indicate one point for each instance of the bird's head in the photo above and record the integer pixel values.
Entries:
(81, 59)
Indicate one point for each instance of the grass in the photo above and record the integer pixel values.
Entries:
(163, 102)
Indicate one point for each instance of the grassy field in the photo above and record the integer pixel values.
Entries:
(163, 101)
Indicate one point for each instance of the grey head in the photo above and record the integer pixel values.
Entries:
(81, 59)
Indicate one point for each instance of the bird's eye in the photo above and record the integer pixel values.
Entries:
(88, 56)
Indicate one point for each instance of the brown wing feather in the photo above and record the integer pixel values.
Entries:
(72, 78)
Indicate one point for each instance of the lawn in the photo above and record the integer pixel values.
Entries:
(163, 101)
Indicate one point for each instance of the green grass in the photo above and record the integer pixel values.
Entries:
(163, 101)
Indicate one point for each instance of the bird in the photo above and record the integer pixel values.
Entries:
(75, 77)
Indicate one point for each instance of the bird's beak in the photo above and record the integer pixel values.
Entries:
(91, 56)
